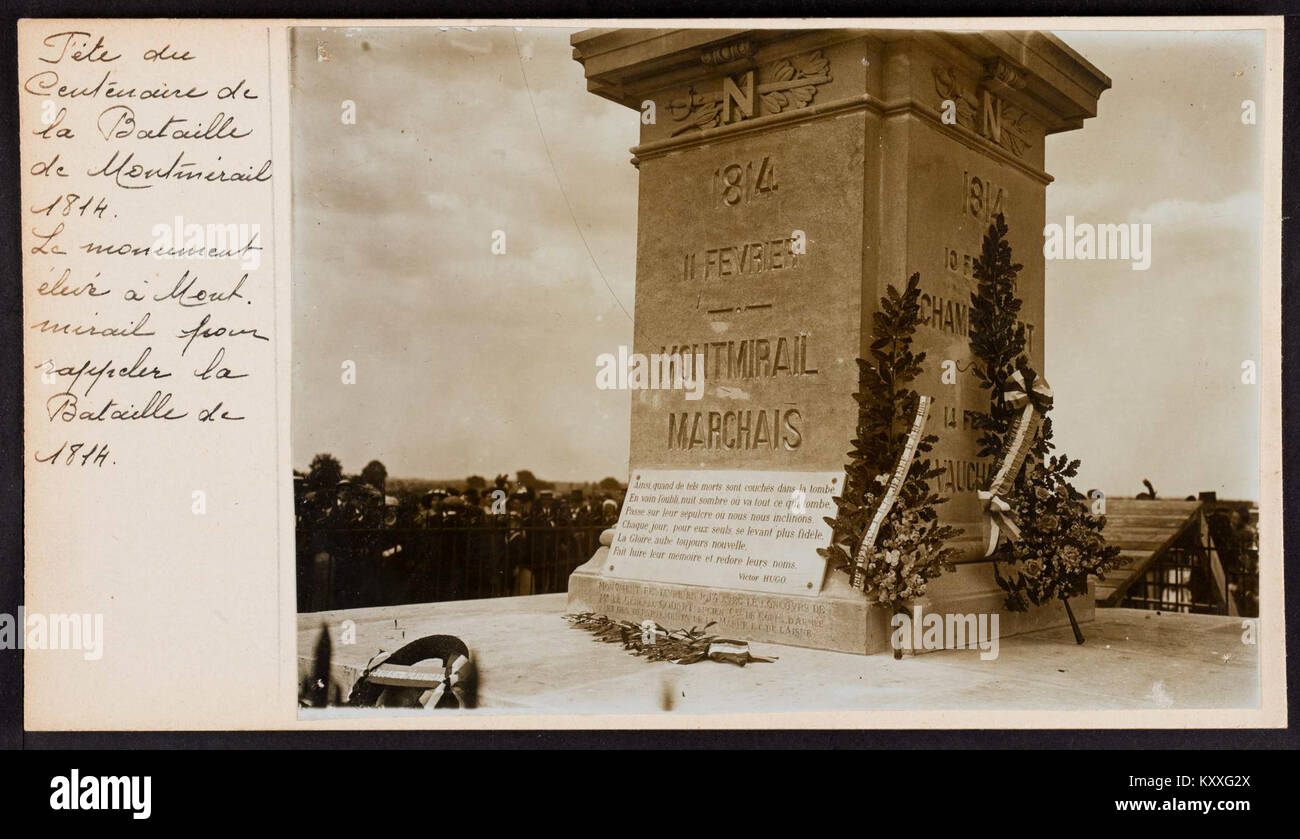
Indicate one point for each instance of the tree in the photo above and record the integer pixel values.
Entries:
(476, 482)
(325, 471)
(895, 567)
(375, 474)
(611, 484)
(526, 478)
(1059, 542)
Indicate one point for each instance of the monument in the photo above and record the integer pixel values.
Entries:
(786, 178)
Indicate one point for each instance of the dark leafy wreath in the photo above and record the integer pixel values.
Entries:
(680, 646)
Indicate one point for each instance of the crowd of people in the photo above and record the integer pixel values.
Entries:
(522, 505)
(358, 504)
(361, 546)
(1235, 531)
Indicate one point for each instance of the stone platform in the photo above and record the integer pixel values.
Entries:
(531, 660)
(839, 619)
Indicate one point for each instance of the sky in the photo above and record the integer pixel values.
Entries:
(470, 362)
(1147, 366)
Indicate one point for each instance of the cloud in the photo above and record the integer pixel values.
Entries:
(467, 360)
(1147, 365)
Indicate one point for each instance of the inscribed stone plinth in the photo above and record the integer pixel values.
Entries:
(786, 178)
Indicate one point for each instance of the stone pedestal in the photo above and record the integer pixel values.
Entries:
(838, 619)
(787, 178)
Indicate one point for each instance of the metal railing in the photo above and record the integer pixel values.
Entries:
(359, 567)
(1179, 581)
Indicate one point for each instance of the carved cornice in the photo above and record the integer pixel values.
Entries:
(788, 84)
(741, 50)
(904, 107)
(1010, 128)
(1000, 70)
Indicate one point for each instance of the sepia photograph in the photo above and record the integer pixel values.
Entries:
(705, 370)
(394, 387)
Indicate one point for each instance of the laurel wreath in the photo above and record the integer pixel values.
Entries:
(680, 646)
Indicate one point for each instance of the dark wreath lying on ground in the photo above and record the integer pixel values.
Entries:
(680, 646)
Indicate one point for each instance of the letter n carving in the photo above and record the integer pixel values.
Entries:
(991, 116)
(732, 95)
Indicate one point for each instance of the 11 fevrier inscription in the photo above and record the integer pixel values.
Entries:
(751, 530)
